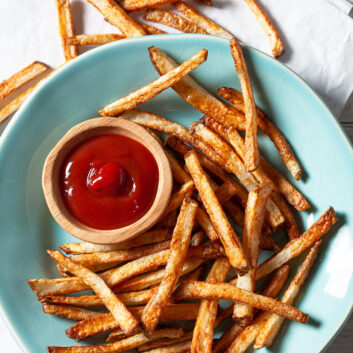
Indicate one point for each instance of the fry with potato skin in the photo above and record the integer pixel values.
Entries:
(152, 89)
(254, 219)
(203, 331)
(66, 28)
(225, 291)
(68, 312)
(151, 29)
(298, 245)
(276, 44)
(171, 19)
(202, 21)
(252, 156)
(120, 346)
(182, 347)
(94, 39)
(115, 15)
(226, 233)
(178, 251)
(271, 327)
(126, 320)
(165, 342)
(138, 5)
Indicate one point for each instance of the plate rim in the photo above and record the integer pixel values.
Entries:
(42, 86)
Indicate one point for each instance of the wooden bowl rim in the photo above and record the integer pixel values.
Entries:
(81, 132)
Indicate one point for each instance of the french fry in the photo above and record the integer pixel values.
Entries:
(138, 5)
(178, 250)
(126, 320)
(182, 347)
(225, 291)
(265, 123)
(171, 19)
(252, 156)
(254, 218)
(196, 95)
(177, 198)
(203, 332)
(195, 275)
(226, 233)
(268, 243)
(298, 245)
(106, 322)
(202, 21)
(68, 312)
(151, 29)
(276, 44)
(271, 327)
(21, 77)
(120, 346)
(165, 342)
(205, 223)
(197, 238)
(66, 28)
(131, 298)
(152, 89)
(94, 39)
(63, 272)
(271, 289)
(150, 237)
(115, 15)
(169, 221)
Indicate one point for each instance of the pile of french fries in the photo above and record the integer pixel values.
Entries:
(223, 188)
(121, 14)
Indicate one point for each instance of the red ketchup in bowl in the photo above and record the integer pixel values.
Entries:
(109, 181)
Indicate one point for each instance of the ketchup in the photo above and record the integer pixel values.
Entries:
(109, 181)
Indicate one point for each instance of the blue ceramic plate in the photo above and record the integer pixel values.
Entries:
(76, 92)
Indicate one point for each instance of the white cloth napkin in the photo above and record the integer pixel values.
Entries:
(345, 5)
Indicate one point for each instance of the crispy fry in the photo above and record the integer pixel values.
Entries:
(68, 312)
(126, 320)
(195, 275)
(21, 77)
(196, 95)
(151, 29)
(226, 233)
(225, 291)
(202, 21)
(178, 250)
(106, 322)
(150, 237)
(120, 346)
(270, 329)
(171, 19)
(182, 347)
(165, 342)
(66, 28)
(251, 156)
(152, 89)
(298, 245)
(63, 272)
(276, 44)
(197, 238)
(203, 332)
(115, 15)
(131, 298)
(265, 123)
(254, 218)
(138, 5)
(177, 198)
(205, 223)
(94, 39)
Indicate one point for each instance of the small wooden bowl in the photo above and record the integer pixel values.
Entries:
(81, 132)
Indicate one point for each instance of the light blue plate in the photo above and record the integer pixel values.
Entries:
(77, 91)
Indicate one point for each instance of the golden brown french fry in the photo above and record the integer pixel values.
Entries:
(203, 332)
(298, 245)
(106, 322)
(94, 39)
(126, 320)
(205, 223)
(131, 298)
(115, 15)
(63, 272)
(120, 346)
(182, 347)
(271, 327)
(226, 233)
(276, 44)
(254, 218)
(195, 275)
(68, 312)
(165, 342)
(150, 237)
(66, 28)
(251, 156)
(152, 89)
(197, 238)
(202, 21)
(225, 291)
(151, 29)
(178, 250)
(21, 77)
(171, 19)
(265, 123)
(138, 5)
